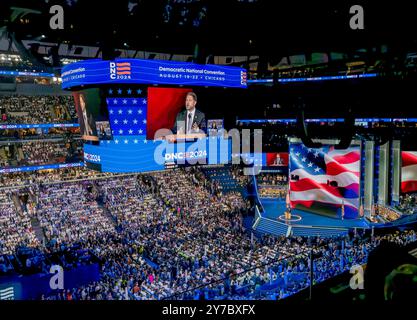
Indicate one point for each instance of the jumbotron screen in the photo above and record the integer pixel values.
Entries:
(141, 128)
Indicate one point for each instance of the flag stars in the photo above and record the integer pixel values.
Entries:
(116, 121)
(125, 121)
(129, 111)
(297, 154)
(310, 164)
(135, 141)
(145, 141)
(317, 169)
(115, 101)
(129, 91)
(110, 91)
(316, 154)
(116, 141)
(138, 91)
(304, 159)
(140, 111)
(124, 101)
(135, 101)
(111, 111)
(120, 131)
(144, 121)
(144, 101)
(130, 131)
(119, 91)
(135, 121)
(126, 141)
(120, 111)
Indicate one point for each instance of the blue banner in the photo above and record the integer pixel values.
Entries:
(41, 125)
(138, 71)
(45, 167)
(26, 74)
(323, 78)
(136, 154)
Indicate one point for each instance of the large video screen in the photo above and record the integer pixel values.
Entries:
(93, 115)
(182, 112)
(147, 125)
(409, 171)
(277, 159)
(168, 111)
(325, 180)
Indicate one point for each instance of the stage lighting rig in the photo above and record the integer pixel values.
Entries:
(346, 132)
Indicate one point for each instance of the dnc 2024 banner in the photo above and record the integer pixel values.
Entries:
(139, 71)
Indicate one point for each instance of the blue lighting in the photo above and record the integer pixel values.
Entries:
(43, 125)
(44, 167)
(26, 74)
(284, 80)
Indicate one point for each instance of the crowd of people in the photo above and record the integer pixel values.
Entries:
(15, 226)
(272, 179)
(239, 176)
(386, 213)
(38, 133)
(69, 212)
(170, 235)
(40, 152)
(272, 192)
(26, 109)
(49, 176)
(408, 203)
(272, 185)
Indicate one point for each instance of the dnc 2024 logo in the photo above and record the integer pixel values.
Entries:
(120, 70)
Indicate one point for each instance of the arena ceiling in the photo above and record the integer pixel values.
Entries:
(227, 27)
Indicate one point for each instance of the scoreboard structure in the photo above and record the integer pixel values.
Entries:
(128, 110)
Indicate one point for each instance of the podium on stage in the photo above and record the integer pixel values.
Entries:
(183, 137)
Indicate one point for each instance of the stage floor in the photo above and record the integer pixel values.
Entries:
(275, 208)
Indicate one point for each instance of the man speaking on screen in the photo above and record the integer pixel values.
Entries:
(190, 120)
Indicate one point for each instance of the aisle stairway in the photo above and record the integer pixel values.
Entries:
(225, 179)
(17, 203)
(37, 229)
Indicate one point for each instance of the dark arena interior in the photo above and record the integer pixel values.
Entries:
(195, 151)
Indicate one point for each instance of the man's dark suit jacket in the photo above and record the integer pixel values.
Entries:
(91, 124)
(199, 119)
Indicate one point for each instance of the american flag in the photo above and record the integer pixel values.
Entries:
(7, 293)
(127, 116)
(409, 171)
(325, 179)
(123, 68)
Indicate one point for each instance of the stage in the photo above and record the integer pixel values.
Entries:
(275, 208)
